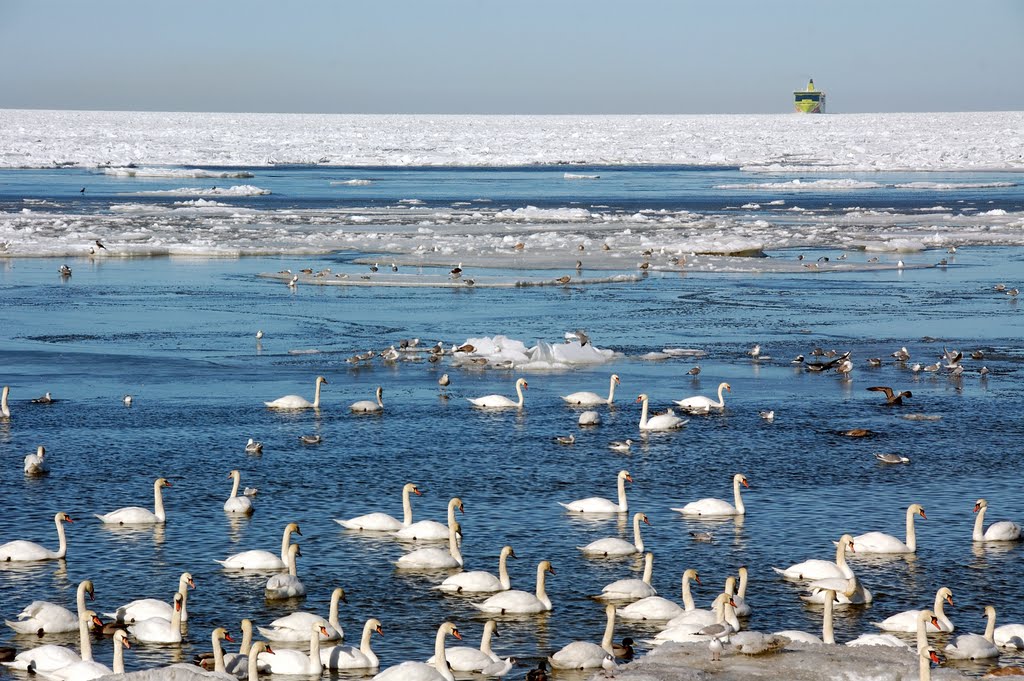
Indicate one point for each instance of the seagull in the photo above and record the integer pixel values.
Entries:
(253, 447)
(45, 399)
(444, 381)
(127, 400)
(64, 270)
(901, 355)
(915, 367)
(702, 536)
(250, 491)
(464, 348)
(82, 190)
(394, 267)
(456, 272)
(580, 247)
(984, 371)
(605, 247)
(621, 445)
(579, 265)
(957, 370)
(373, 267)
(390, 355)
(578, 334)
(755, 351)
(767, 414)
(977, 354)
(309, 439)
(644, 265)
(468, 282)
(999, 287)
(259, 334)
(931, 368)
(695, 371)
(294, 281)
(563, 280)
(856, 432)
(892, 458)
(565, 439)
(519, 246)
(875, 361)
(891, 398)
(845, 367)
(899, 264)
(1012, 292)
(797, 360)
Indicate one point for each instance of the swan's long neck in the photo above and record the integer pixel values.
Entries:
(246, 637)
(119, 656)
(609, 631)
(649, 568)
(315, 665)
(940, 606)
(721, 395)
(643, 414)
(924, 666)
(729, 613)
(611, 390)
(316, 395)
(80, 597)
(519, 392)
(84, 640)
(979, 522)
(406, 507)
(841, 560)
(741, 591)
(183, 590)
(542, 594)
(286, 542)
(332, 616)
(176, 618)
(451, 513)
(485, 640)
(218, 652)
(990, 628)
(4, 409)
(922, 626)
(638, 541)
(158, 503)
(737, 497)
(453, 544)
(688, 603)
(623, 504)
(380, 399)
(62, 540)
(911, 535)
(364, 643)
(503, 577)
(234, 486)
(828, 636)
(440, 659)
(254, 653)
(292, 569)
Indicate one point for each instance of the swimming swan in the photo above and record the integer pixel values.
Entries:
(907, 620)
(149, 608)
(500, 401)
(350, 657)
(136, 515)
(257, 559)
(658, 608)
(814, 569)
(1004, 530)
(22, 550)
(601, 505)
(481, 581)
(879, 542)
(297, 401)
(421, 671)
(382, 522)
(631, 589)
(295, 627)
(35, 464)
(667, 421)
(515, 602)
(235, 503)
(588, 399)
(296, 662)
(469, 659)
(288, 585)
(157, 629)
(434, 558)
(613, 546)
(48, 658)
(702, 405)
(369, 406)
(431, 530)
(717, 507)
(5, 409)
(584, 654)
(974, 646)
(86, 670)
(43, 617)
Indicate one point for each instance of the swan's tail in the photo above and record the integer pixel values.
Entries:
(347, 524)
(23, 627)
(566, 506)
(778, 571)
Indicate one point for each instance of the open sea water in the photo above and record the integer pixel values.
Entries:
(177, 333)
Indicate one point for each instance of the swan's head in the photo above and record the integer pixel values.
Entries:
(457, 503)
(522, 382)
(450, 628)
(508, 551)
(739, 477)
(691, 574)
(641, 398)
(545, 566)
(615, 379)
(990, 611)
(86, 586)
(63, 518)
(121, 637)
(221, 634)
(178, 601)
(186, 577)
(294, 550)
(980, 504)
(918, 509)
(929, 653)
(946, 594)
(726, 387)
(293, 527)
(235, 473)
(626, 476)
(321, 379)
(40, 451)
(643, 518)
(412, 487)
(91, 616)
(339, 593)
(162, 482)
(847, 541)
(375, 625)
(261, 647)
(321, 629)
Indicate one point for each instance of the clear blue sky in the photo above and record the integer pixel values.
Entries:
(516, 56)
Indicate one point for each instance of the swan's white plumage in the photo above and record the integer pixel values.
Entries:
(21, 550)
(700, 404)
(589, 399)
(711, 507)
(500, 401)
(515, 602)
(260, 560)
(667, 421)
(136, 515)
(600, 504)
(382, 522)
(297, 401)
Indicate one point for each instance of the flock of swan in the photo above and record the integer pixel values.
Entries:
(153, 621)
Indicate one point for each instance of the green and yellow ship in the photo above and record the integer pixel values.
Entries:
(809, 100)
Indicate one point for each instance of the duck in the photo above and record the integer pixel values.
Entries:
(148, 608)
(515, 602)
(620, 445)
(601, 505)
(976, 646)
(48, 658)
(631, 589)
(1004, 530)
(431, 530)
(350, 657)
(35, 464)
(136, 515)
(589, 399)
(310, 439)
(253, 447)
(433, 558)
(369, 406)
(500, 401)
(815, 569)
(421, 671)
(907, 620)
(614, 546)
(297, 401)
(700, 404)
(469, 659)
(294, 627)
(237, 504)
(481, 581)
(21, 550)
(891, 398)
(159, 630)
(280, 587)
(584, 654)
(42, 617)
(86, 670)
(295, 662)
(540, 672)
(668, 421)
(879, 542)
(717, 508)
(658, 608)
(382, 522)
(260, 560)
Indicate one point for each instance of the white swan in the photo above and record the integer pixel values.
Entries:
(658, 608)
(907, 620)
(421, 671)
(43, 617)
(601, 505)
(149, 608)
(481, 581)
(469, 659)
(926, 657)
(631, 589)
(296, 662)
(382, 522)
(349, 657)
(257, 559)
(848, 591)
(219, 634)
(702, 405)
(584, 654)
(48, 658)
(369, 406)
(431, 530)
(1004, 530)
(500, 401)
(235, 503)
(1005, 636)
(717, 507)
(297, 401)
(975, 646)
(21, 550)
(516, 602)
(668, 421)
(254, 664)
(295, 627)
(86, 670)
(35, 464)
(822, 569)
(287, 585)
(827, 632)
(157, 629)
(589, 399)
(725, 623)
(434, 558)
(740, 597)
(237, 664)
(5, 409)
(879, 542)
(136, 515)
(613, 546)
